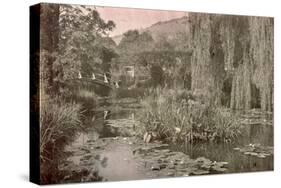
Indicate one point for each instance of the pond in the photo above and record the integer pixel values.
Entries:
(108, 150)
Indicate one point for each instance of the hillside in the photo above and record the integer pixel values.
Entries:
(170, 29)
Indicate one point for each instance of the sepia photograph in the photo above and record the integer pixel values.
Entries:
(130, 94)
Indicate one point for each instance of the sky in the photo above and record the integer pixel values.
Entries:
(128, 18)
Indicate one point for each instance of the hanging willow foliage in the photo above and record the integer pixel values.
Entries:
(239, 47)
(262, 54)
(208, 56)
(255, 70)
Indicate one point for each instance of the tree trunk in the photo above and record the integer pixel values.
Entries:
(49, 38)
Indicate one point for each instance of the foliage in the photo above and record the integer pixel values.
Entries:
(226, 128)
(155, 56)
(83, 45)
(157, 75)
(256, 150)
(171, 69)
(135, 42)
(165, 162)
(162, 44)
(87, 98)
(49, 38)
(58, 121)
(224, 45)
(167, 116)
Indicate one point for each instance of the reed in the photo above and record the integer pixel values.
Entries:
(167, 116)
(58, 122)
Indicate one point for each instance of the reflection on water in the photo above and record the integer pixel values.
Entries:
(258, 130)
(116, 160)
(104, 145)
(238, 162)
(121, 164)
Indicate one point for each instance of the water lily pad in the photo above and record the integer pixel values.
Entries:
(265, 154)
(86, 157)
(165, 150)
(261, 156)
(162, 166)
(155, 167)
(171, 166)
(253, 153)
(224, 163)
(207, 166)
(256, 150)
(219, 169)
(202, 159)
(170, 173)
(200, 172)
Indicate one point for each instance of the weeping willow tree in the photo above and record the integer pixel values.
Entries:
(208, 56)
(236, 47)
(262, 54)
(240, 63)
(252, 84)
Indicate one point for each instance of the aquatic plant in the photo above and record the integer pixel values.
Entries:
(226, 125)
(165, 116)
(256, 150)
(165, 162)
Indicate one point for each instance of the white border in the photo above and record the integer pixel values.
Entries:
(14, 72)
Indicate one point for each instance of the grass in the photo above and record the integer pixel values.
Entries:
(58, 122)
(174, 116)
(227, 127)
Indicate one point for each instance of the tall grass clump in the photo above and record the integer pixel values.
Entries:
(166, 116)
(226, 126)
(58, 122)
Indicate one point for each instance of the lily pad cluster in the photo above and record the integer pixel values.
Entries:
(256, 150)
(83, 164)
(164, 162)
(81, 168)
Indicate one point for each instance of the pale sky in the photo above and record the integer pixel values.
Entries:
(128, 18)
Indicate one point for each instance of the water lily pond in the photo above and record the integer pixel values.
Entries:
(110, 150)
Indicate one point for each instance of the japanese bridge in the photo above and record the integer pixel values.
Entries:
(96, 78)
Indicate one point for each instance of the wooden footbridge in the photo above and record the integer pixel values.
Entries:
(97, 78)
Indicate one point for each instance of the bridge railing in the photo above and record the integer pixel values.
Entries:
(99, 78)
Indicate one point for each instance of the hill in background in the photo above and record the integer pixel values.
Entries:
(174, 30)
